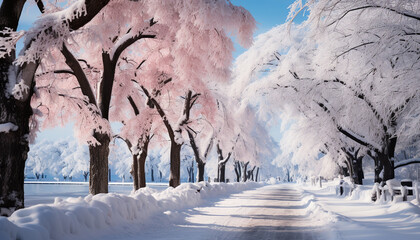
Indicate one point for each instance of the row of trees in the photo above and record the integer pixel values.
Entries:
(66, 159)
(345, 83)
(158, 68)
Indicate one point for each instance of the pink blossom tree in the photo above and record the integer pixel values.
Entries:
(17, 83)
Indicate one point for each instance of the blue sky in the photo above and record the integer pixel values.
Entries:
(267, 13)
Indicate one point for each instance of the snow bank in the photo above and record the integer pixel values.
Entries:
(66, 218)
(315, 211)
(355, 216)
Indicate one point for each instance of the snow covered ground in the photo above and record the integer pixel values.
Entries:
(357, 217)
(37, 192)
(92, 216)
(218, 211)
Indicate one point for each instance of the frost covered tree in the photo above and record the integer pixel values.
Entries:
(97, 66)
(352, 78)
(116, 27)
(17, 83)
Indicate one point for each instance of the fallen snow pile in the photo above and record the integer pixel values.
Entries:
(354, 216)
(66, 218)
(315, 211)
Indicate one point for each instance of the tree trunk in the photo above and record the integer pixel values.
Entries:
(98, 178)
(14, 146)
(388, 166)
(389, 171)
(244, 171)
(152, 175)
(175, 175)
(14, 152)
(358, 170)
(256, 175)
(135, 171)
(238, 171)
(200, 169)
(222, 170)
(141, 175)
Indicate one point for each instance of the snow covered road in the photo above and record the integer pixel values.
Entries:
(269, 212)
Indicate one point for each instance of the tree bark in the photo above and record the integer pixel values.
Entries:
(358, 170)
(141, 162)
(200, 169)
(175, 175)
(221, 164)
(14, 146)
(98, 178)
(222, 171)
(135, 171)
(238, 171)
(354, 165)
(141, 175)
(244, 170)
(256, 175)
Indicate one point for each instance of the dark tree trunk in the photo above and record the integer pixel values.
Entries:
(389, 170)
(354, 165)
(384, 161)
(14, 146)
(221, 164)
(200, 169)
(256, 175)
(238, 171)
(98, 178)
(135, 171)
(244, 171)
(175, 175)
(251, 174)
(222, 171)
(141, 175)
(358, 170)
(388, 166)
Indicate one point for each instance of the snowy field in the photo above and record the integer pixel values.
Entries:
(37, 192)
(216, 211)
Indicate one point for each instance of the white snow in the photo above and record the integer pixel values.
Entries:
(20, 89)
(7, 127)
(220, 211)
(356, 217)
(73, 218)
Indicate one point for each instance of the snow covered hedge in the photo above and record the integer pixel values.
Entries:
(67, 218)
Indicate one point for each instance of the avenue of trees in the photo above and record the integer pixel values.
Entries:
(345, 83)
(160, 69)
